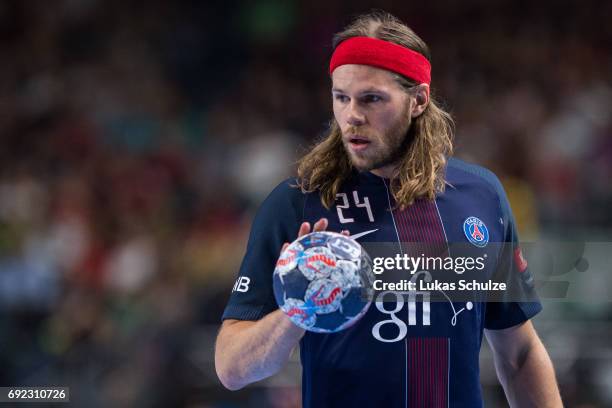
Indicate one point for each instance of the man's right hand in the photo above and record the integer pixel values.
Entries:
(249, 351)
(320, 225)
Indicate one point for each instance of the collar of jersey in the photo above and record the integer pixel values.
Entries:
(367, 177)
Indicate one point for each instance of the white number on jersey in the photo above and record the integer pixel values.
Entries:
(345, 205)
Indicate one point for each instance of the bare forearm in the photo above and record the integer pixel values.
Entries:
(250, 351)
(530, 383)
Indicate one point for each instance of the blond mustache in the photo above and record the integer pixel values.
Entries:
(352, 130)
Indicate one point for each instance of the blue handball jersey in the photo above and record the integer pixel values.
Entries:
(394, 356)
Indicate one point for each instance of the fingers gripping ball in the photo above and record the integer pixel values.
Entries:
(323, 282)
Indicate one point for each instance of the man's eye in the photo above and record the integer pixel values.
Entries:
(371, 98)
(341, 98)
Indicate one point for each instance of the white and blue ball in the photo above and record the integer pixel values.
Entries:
(323, 282)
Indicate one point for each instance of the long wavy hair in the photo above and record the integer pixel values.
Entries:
(421, 169)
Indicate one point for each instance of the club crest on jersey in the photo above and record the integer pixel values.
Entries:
(476, 231)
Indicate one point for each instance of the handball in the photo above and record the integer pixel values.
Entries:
(323, 282)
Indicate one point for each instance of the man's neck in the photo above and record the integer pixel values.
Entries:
(387, 172)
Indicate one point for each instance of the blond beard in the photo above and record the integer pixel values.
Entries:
(397, 144)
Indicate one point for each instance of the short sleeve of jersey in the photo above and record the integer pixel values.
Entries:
(277, 221)
(522, 303)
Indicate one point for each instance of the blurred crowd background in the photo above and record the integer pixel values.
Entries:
(138, 138)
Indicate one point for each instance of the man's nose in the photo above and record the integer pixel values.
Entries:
(355, 115)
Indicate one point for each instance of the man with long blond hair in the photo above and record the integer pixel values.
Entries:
(384, 173)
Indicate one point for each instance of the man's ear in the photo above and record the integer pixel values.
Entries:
(421, 96)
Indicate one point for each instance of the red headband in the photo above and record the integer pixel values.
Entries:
(382, 54)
